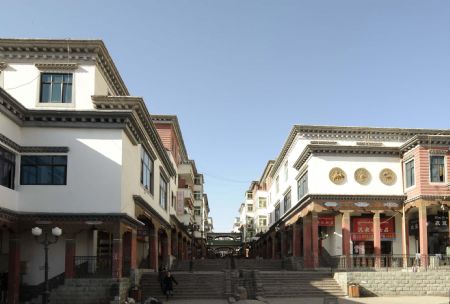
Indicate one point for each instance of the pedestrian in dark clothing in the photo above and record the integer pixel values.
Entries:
(161, 276)
(168, 285)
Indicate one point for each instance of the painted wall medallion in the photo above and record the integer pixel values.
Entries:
(337, 176)
(362, 176)
(388, 177)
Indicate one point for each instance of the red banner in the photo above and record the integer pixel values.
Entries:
(327, 221)
(362, 228)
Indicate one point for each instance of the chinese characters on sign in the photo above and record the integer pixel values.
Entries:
(327, 221)
(362, 228)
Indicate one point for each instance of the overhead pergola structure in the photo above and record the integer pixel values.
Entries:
(223, 243)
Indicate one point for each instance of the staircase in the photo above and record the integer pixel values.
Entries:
(82, 291)
(191, 285)
(262, 265)
(203, 265)
(299, 284)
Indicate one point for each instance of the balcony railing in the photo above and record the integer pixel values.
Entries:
(371, 262)
(93, 266)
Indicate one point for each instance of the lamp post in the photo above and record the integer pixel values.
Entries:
(46, 241)
(192, 227)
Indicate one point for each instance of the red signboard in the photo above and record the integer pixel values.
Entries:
(327, 221)
(362, 228)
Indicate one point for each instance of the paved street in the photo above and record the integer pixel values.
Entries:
(374, 300)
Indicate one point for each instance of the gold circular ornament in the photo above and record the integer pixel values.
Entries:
(362, 176)
(388, 177)
(337, 176)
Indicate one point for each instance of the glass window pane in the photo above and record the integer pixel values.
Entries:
(57, 78)
(59, 175)
(28, 160)
(67, 94)
(44, 175)
(46, 78)
(68, 78)
(60, 160)
(45, 94)
(56, 92)
(28, 175)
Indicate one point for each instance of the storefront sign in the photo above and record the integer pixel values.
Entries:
(362, 228)
(438, 222)
(327, 221)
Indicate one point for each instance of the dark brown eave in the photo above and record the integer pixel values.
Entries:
(31, 149)
(344, 150)
(141, 202)
(431, 141)
(64, 50)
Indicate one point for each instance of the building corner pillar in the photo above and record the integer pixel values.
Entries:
(307, 244)
(315, 239)
(377, 238)
(423, 234)
(346, 250)
(70, 258)
(14, 270)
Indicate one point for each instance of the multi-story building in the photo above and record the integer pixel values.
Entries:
(78, 152)
(348, 191)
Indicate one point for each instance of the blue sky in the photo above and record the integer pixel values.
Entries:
(239, 73)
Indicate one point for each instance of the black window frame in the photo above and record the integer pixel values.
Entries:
(410, 178)
(302, 186)
(287, 202)
(36, 165)
(163, 181)
(64, 87)
(7, 159)
(145, 168)
(437, 164)
(260, 199)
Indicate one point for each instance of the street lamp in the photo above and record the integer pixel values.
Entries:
(192, 227)
(37, 232)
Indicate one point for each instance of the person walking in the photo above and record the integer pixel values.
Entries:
(168, 284)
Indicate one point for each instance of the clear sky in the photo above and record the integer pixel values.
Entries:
(239, 73)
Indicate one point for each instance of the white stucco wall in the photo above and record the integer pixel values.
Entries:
(22, 81)
(131, 180)
(319, 168)
(93, 172)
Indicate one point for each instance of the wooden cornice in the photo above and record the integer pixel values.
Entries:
(369, 135)
(65, 50)
(344, 150)
(56, 66)
(31, 149)
(137, 105)
(430, 141)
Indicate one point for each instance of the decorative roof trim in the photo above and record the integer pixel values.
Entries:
(173, 119)
(349, 133)
(141, 202)
(427, 141)
(57, 66)
(266, 171)
(31, 149)
(63, 50)
(350, 150)
(137, 105)
(428, 197)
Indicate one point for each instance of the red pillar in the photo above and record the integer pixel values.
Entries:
(405, 240)
(283, 240)
(377, 238)
(423, 234)
(153, 239)
(14, 271)
(296, 238)
(169, 248)
(346, 250)
(307, 244)
(133, 250)
(70, 259)
(117, 257)
(315, 239)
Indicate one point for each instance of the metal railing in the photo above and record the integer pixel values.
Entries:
(93, 266)
(394, 261)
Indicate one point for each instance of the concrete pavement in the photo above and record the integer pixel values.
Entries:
(371, 300)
